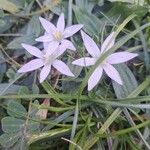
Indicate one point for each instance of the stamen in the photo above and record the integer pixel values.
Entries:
(47, 59)
(58, 35)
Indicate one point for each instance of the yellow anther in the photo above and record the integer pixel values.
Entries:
(58, 35)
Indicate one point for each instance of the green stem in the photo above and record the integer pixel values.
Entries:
(125, 131)
(70, 13)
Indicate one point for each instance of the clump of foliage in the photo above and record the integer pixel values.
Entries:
(54, 111)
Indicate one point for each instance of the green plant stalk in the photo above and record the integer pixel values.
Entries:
(75, 120)
(52, 133)
(49, 134)
(145, 48)
(136, 48)
(53, 109)
(124, 131)
(133, 145)
(65, 97)
(50, 90)
(76, 113)
(70, 13)
(132, 123)
(142, 86)
(125, 102)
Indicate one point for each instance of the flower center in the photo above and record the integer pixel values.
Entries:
(48, 59)
(58, 35)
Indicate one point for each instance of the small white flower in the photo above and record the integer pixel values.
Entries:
(57, 35)
(96, 53)
(45, 59)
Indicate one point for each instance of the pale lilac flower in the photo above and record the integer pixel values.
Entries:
(106, 65)
(45, 59)
(56, 35)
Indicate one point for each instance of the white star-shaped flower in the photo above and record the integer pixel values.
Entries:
(58, 34)
(107, 64)
(46, 59)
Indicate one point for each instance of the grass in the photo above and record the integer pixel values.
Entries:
(110, 117)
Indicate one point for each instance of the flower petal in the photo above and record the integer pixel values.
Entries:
(112, 73)
(44, 38)
(108, 43)
(68, 44)
(61, 23)
(52, 46)
(59, 51)
(94, 78)
(32, 50)
(62, 67)
(69, 31)
(48, 26)
(86, 61)
(45, 45)
(120, 57)
(45, 72)
(90, 45)
(31, 65)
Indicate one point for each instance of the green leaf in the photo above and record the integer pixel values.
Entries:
(35, 89)
(135, 2)
(19, 3)
(12, 89)
(34, 27)
(92, 24)
(15, 109)
(86, 4)
(129, 82)
(11, 124)
(50, 90)
(16, 43)
(48, 134)
(59, 119)
(57, 7)
(122, 11)
(2, 23)
(23, 91)
(8, 140)
(21, 144)
(72, 85)
(8, 6)
(11, 73)
(30, 31)
(2, 65)
(127, 1)
(6, 23)
(33, 126)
